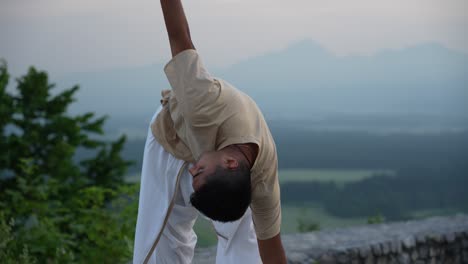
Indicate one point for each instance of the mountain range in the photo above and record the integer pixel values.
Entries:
(305, 82)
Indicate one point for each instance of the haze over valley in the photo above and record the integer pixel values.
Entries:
(419, 88)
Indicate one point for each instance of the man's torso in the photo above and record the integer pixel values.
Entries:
(205, 114)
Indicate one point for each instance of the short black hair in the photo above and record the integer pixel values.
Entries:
(226, 194)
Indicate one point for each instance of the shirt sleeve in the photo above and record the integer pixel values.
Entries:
(266, 208)
(197, 92)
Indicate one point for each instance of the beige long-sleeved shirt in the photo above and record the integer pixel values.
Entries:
(202, 113)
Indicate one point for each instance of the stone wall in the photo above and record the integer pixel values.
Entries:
(433, 240)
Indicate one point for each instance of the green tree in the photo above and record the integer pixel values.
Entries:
(305, 223)
(376, 219)
(56, 209)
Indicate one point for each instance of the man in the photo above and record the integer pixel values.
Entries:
(220, 131)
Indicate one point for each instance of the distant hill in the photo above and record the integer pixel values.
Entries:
(306, 82)
(425, 79)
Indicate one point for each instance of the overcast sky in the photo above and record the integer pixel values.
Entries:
(64, 36)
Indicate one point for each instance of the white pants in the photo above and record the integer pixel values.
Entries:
(237, 242)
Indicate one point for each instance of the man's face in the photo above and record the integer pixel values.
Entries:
(206, 165)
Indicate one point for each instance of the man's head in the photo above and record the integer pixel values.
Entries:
(221, 180)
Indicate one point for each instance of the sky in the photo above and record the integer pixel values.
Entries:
(66, 36)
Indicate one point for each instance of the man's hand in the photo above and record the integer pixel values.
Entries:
(177, 26)
(271, 250)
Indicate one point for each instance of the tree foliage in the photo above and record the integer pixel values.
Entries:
(55, 209)
(376, 219)
(305, 223)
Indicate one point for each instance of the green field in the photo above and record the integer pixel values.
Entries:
(421, 214)
(313, 213)
(340, 177)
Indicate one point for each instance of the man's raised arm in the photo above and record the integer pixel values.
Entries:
(177, 26)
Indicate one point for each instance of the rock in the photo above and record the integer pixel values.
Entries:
(353, 252)
(370, 259)
(297, 257)
(393, 259)
(453, 248)
(385, 247)
(404, 258)
(423, 251)
(376, 249)
(421, 238)
(436, 237)
(450, 237)
(395, 246)
(365, 251)
(414, 255)
(343, 258)
(465, 256)
(382, 260)
(327, 259)
(409, 242)
(465, 243)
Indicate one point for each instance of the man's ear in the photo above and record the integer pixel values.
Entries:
(231, 163)
(193, 170)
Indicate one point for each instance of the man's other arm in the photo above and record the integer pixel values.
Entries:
(271, 250)
(177, 26)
